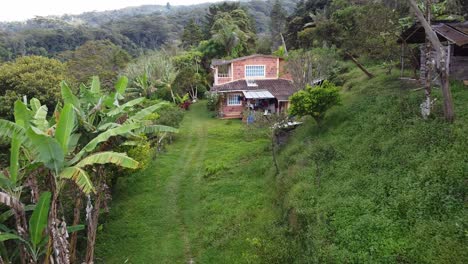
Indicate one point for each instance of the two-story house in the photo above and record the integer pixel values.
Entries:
(256, 82)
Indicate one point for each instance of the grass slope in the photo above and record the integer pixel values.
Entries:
(377, 184)
(206, 199)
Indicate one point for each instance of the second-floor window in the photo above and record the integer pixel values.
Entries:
(254, 71)
(224, 71)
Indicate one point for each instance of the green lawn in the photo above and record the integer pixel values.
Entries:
(208, 198)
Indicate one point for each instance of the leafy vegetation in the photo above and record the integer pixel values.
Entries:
(380, 184)
(372, 182)
(33, 77)
(61, 150)
(315, 101)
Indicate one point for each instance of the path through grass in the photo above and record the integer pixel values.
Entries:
(206, 199)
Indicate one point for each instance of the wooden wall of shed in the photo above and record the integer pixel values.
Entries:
(458, 66)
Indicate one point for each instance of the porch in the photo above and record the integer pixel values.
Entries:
(234, 104)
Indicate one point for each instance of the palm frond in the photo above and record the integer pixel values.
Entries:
(104, 136)
(80, 177)
(142, 114)
(40, 117)
(69, 97)
(153, 129)
(9, 129)
(46, 150)
(95, 85)
(121, 85)
(34, 104)
(65, 126)
(130, 103)
(119, 159)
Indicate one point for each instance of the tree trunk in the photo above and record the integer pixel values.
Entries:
(31, 182)
(92, 215)
(448, 101)
(426, 106)
(284, 45)
(441, 57)
(370, 75)
(20, 221)
(21, 227)
(58, 243)
(76, 221)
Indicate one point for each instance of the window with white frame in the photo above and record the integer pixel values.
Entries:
(252, 71)
(234, 99)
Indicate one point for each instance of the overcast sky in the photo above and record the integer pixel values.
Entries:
(16, 10)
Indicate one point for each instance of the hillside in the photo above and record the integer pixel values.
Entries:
(132, 28)
(377, 184)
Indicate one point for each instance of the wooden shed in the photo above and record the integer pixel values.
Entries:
(454, 37)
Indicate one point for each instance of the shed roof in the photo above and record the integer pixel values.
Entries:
(455, 32)
(281, 89)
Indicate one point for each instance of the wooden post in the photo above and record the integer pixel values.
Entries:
(440, 54)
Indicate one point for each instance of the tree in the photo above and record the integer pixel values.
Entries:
(33, 77)
(192, 35)
(315, 101)
(234, 33)
(277, 24)
(191, 78)
(213, 11)
(160, 73)
(101, 58)
(307, 67)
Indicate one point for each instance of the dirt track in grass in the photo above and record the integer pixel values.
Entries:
(202, 200)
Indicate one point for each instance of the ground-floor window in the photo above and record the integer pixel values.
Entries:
(234, 99)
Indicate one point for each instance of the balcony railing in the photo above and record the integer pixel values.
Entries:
(224, 75)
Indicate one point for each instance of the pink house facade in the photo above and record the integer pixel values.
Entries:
(255, 83)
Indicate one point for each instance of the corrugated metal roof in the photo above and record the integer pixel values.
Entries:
(451, 34)
(258, 95)
(455, 32)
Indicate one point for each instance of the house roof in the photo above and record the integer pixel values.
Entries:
(455, 32)
(281, 89)
(217, 62)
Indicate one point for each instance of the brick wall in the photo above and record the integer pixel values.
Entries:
(271, 67)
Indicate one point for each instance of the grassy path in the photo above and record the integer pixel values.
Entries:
(202, 201)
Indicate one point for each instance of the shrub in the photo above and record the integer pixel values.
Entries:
(212, 101)
(170, 116)
(315, 101)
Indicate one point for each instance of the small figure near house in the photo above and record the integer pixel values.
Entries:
(252, 83)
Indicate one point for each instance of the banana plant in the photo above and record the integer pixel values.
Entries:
(35, 243)
(53, 151)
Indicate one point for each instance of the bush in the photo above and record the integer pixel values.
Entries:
(315, 101)
(212, 101)
(170, 116)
